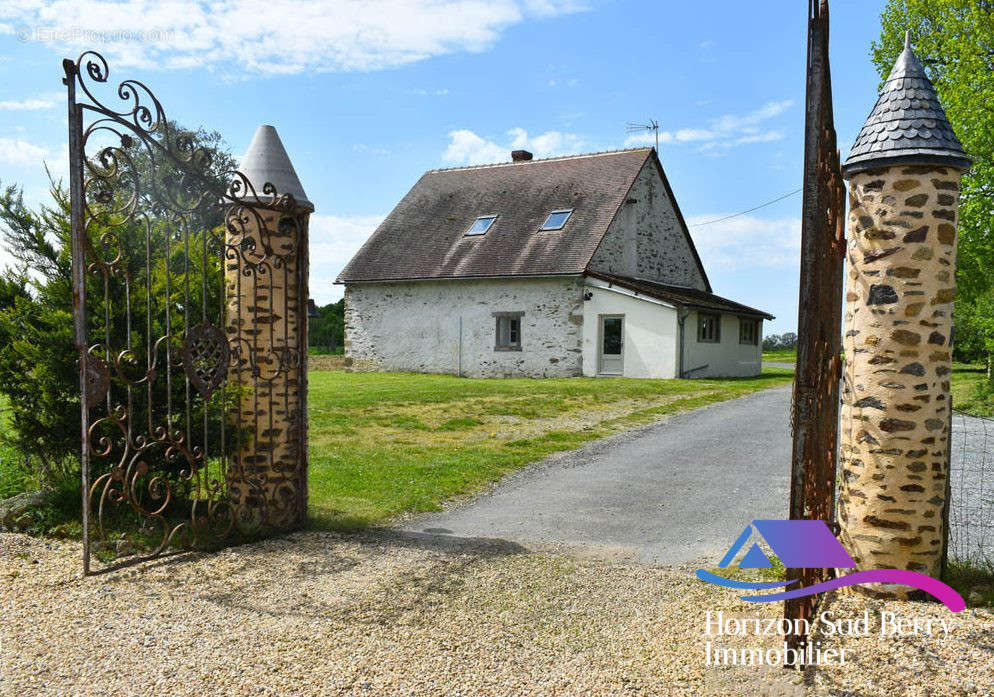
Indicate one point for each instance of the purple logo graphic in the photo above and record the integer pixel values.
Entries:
(809, 544)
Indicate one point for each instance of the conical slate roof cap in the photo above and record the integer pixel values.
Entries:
(267, 161)
(907, 125)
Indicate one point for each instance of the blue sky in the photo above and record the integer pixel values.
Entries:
(367, 95)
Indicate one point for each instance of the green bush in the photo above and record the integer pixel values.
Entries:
(38, 360)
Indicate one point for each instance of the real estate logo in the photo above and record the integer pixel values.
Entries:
(809, 544)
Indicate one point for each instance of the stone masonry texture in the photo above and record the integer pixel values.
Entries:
(646, 239)
(415, 326)
(264, 322)
(898, 341)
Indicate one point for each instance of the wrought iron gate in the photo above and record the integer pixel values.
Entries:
(189, 312)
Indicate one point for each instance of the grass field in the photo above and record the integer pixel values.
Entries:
(13, 478)
(780, 356)
(383, 444)
(966, 379)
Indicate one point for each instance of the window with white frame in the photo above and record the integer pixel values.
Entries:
(748, 331)
(708, 328)
(508, 331)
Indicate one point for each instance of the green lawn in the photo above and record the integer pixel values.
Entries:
(13, 478)
(966, 379)
(780, 356)
(383, 444)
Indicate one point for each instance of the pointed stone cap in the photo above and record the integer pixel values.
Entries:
(267, 161)
(907, 125)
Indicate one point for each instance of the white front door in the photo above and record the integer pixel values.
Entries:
(611, 351)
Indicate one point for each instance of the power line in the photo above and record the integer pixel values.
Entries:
(750, 210)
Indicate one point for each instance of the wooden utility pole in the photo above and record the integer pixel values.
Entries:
(815, 409)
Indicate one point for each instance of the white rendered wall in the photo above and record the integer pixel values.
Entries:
(726, 359)
(415, 326)
(650, 332)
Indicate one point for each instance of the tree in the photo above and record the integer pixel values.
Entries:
(955, 41)
(327, 330)
(38, 359)
(788, 341)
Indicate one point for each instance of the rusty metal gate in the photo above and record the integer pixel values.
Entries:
(189, 313)
(815, 412)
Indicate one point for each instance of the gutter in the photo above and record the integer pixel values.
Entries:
(634, 294)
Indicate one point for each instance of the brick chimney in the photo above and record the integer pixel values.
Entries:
(520, 155)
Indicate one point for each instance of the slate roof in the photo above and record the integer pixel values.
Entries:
(681, 297)
(266, 161)
(907, 124)
(424, 236)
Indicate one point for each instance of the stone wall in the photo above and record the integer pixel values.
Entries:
(646, 239)
(267, 474)
(898, 336)
(416, 326)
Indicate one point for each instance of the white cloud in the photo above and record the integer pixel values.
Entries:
(26, 105)
(370, 149)
(21, 153)
(248, 37)
(334, 241)
(747, 242)
(467, 148)
(767, 137)
(685, 135)
(729, 123)
(724, 132)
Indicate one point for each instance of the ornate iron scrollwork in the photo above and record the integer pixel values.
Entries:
(206, 356)
(161, 245)
(97, 380)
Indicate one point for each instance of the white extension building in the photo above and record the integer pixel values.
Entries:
(544, 268)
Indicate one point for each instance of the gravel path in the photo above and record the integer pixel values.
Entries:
(401, 614)
(649, 494)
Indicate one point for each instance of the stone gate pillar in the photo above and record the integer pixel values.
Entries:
(904, 172)
(266, 322)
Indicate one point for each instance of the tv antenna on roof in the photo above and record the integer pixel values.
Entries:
(652, 125)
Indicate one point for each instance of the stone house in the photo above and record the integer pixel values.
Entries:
(568, 266)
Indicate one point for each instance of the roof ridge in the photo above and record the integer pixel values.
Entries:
(557, 158)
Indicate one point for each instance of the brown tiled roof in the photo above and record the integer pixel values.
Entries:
(424, 236)
(681, 297)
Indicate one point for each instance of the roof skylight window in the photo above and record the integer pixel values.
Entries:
(481, 225)
(557, 220)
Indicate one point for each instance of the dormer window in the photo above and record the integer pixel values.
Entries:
(481, 225)
(557, 220)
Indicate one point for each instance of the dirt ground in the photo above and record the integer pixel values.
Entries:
(386, 613)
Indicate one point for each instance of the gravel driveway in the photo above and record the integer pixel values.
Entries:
(649, 495)
(395, 613)
(400, 612)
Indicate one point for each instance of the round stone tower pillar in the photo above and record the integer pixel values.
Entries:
(904, 172)
(266, 278)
